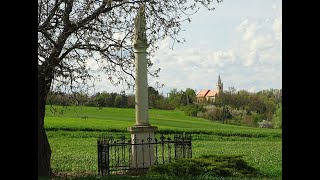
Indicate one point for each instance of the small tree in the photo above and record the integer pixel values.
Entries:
(153, 96)
(175, 97)
(190, 95)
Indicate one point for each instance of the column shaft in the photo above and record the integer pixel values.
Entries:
(141, 87)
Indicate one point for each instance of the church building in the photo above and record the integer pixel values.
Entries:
(210, 95)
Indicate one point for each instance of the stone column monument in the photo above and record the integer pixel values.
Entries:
(142, 132)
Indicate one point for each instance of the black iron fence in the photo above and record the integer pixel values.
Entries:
(123, 155)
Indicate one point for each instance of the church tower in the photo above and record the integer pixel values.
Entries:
(219, 86)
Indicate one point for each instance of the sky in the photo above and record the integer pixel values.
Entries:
(241, 40)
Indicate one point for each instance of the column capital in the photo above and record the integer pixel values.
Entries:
(141, 46)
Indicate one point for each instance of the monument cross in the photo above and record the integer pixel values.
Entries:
(142, 131)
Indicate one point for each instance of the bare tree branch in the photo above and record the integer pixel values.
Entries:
(50, 16)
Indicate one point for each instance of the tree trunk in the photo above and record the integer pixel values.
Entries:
(44, 151)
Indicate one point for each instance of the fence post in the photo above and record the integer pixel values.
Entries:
(190, 147)
(108, 157)
(99, 156)
(183, 146)
(169, 149)
(149, 148)
(156, 143)
(162, 144)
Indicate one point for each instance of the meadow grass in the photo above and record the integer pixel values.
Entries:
(73, 139)
(118, 119)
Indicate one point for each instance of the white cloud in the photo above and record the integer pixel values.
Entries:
(248, 30)
(260, 38)
(277, 28)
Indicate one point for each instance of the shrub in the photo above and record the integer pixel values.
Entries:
(213, 113)
(164, 104)
(181, 168)
(192, 109)
(207, 165)
(265, 124)
(248, 120)
(237, 113)
(257, 117)
(201, 114)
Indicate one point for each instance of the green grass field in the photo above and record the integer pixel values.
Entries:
(73, 138)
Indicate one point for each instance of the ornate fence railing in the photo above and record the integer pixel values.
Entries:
(115, 154)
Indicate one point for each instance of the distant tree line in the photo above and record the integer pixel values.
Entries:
(106, 99)
(257, 109)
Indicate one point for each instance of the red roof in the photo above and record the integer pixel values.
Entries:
(203, 93)
(211, 93)
(207, 93)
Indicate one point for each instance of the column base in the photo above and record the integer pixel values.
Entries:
(142, 149)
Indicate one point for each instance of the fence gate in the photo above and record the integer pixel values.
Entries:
(114, 155)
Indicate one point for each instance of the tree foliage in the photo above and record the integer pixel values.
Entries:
(188, 97)
(277, 117)
(175, 97)
(153, 96)
(72, 31)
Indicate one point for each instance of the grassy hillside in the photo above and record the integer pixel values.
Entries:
(73, 139)
(118, 119)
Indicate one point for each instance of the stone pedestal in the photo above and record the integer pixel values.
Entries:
(142, 152)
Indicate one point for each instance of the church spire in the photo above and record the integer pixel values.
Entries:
(219, 85)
